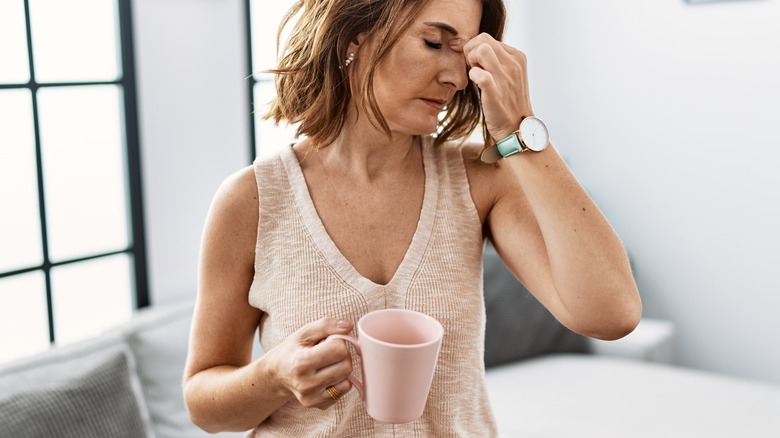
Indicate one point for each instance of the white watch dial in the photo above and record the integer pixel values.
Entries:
(534, 134)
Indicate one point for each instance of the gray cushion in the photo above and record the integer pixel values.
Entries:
(98, 403)
(159, 337)
(518, 325)
(159, 341)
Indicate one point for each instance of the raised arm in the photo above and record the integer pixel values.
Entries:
(544, 225)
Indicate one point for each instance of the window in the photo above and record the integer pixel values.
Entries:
(72, 258)
(264, 20)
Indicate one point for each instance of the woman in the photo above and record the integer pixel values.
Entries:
(370, 211)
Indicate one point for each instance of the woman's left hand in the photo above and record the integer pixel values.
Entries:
(500, 72)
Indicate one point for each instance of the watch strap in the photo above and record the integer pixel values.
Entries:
(503, 148)
(490, 155)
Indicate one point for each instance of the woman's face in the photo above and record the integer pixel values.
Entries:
(426, 66)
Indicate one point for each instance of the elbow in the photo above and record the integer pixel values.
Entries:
(198, 415)
(206, 411)
(201, 422)
(203, 425)
(616, 328)
(614, 321)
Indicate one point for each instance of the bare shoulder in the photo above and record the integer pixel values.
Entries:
(238, 195)
(231, 226)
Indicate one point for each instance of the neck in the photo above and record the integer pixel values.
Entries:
(369, 155)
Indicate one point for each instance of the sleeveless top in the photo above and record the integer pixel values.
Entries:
(301, 276)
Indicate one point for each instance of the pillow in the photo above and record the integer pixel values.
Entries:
(100, 402)
(57, 364)
(160, 347)
(159, 339)
(518, 326)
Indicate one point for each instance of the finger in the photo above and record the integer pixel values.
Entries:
(339, 390)
(334, 373)
(483, 38)
(332, 394)
(500, 47)
(329, 352)
(308, 386)
(472, 43)
(505, 53)
(456, 44)
(314, 332)
(483, 79)
(344, 386)
(485, 57)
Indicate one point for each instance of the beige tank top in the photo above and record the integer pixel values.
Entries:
(301, 276)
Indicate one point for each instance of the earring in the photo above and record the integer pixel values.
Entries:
(349, 60)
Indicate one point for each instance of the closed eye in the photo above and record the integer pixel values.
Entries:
(433, 45)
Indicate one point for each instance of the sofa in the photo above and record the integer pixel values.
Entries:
(543, 381)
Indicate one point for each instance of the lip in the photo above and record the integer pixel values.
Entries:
(436, 103)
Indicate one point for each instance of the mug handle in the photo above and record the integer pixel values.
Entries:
(355, 382)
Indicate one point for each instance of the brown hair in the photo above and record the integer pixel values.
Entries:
(312, 87)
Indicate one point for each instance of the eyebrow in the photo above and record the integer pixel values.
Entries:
(443, 26)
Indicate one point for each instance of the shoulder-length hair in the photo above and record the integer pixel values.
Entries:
(314, 90)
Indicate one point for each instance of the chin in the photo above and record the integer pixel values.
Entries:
(420, 128)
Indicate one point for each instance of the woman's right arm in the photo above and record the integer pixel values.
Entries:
(225, 390)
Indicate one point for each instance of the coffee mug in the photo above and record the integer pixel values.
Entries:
(398, 351)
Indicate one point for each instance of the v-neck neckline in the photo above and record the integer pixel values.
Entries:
(343, 267)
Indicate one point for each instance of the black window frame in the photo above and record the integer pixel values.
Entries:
(137, 236)
(252, 80)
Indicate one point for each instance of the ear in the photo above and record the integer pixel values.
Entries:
(355, 44)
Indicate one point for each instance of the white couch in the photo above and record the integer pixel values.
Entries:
(559, 395)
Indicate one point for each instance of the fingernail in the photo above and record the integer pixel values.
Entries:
(343, 324)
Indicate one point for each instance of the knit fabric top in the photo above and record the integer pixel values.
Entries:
(301, 276)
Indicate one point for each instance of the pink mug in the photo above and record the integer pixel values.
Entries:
(398, 352)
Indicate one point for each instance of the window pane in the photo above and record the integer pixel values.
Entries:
(75, 40)
(13, 43)
(24, 321)
(270, 139)
(90, 297)
(265, 18)
(83, 160)
(20, 226)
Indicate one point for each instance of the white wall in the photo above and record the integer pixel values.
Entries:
(193, 101)
(667, 113)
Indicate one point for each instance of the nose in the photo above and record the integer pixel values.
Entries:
(455, 71)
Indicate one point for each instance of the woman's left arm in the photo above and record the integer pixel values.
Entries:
(544, 225)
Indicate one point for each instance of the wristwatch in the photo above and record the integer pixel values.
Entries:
(532, 136)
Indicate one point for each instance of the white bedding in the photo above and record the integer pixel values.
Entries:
(595, 396)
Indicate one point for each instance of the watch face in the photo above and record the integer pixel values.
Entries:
(534, 134)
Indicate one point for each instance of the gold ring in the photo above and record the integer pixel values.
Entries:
(333, 392)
